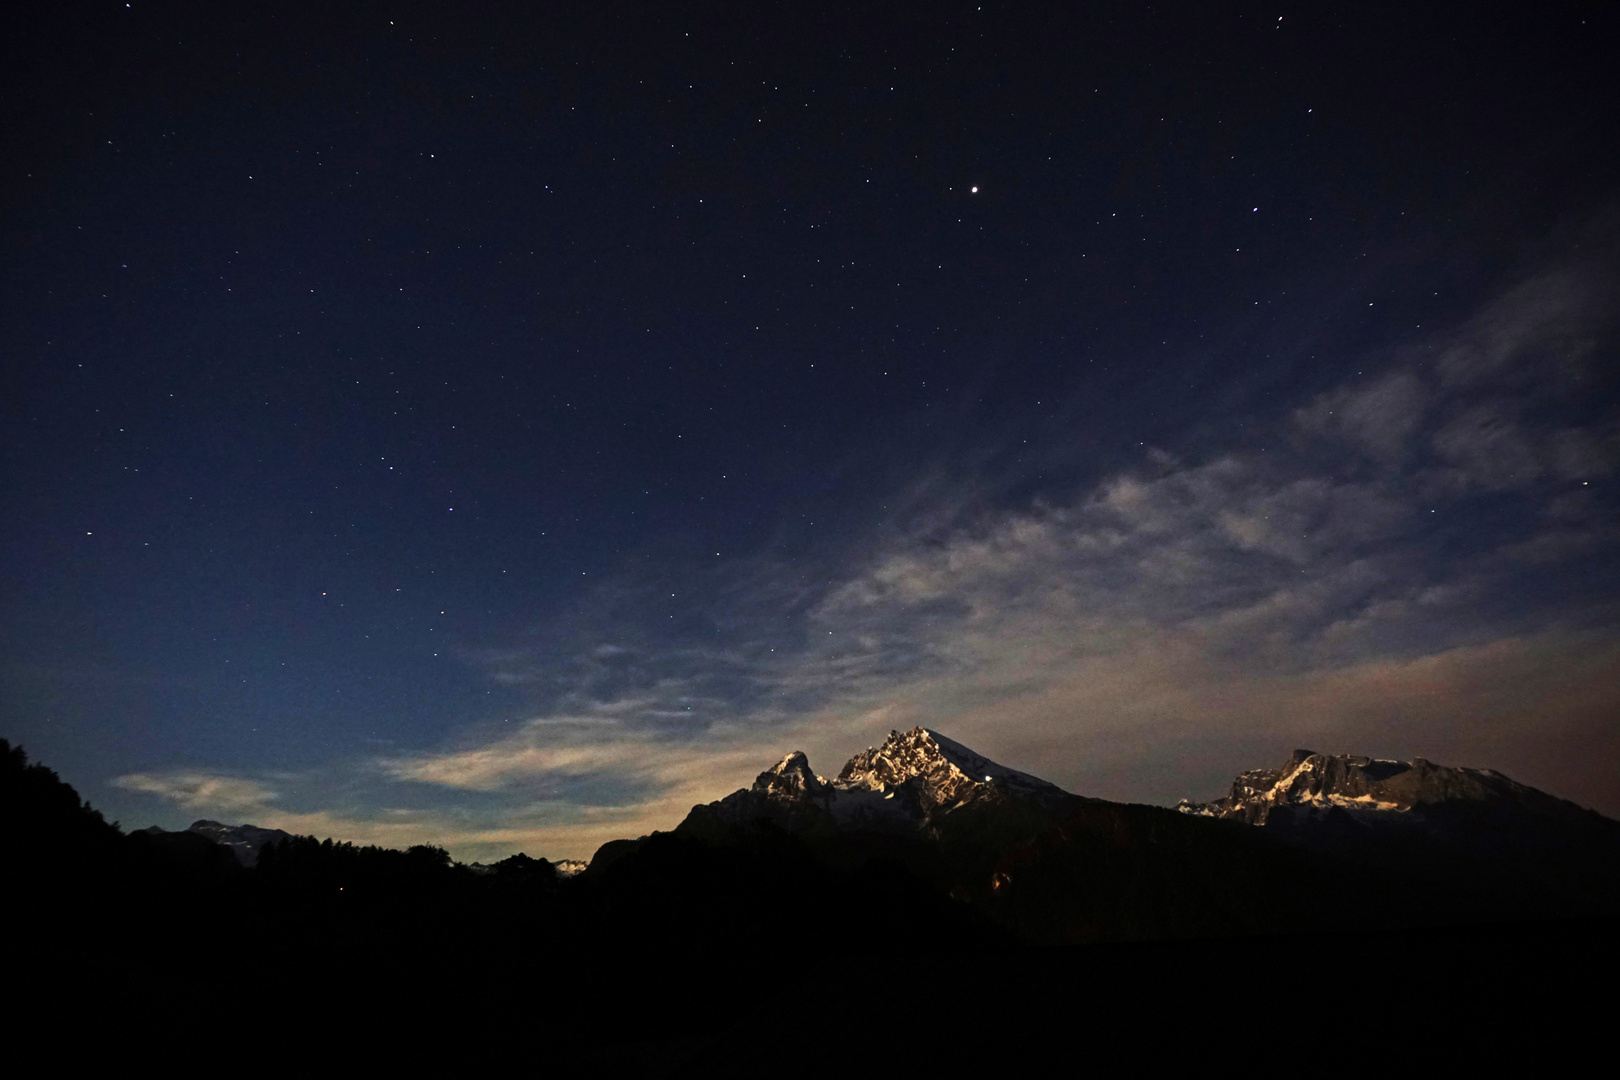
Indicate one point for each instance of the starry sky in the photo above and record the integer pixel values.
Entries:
(506, 428)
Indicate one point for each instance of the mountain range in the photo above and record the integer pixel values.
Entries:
(803, 907)
(1322, 842)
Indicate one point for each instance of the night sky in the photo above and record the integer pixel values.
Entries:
(505, 430)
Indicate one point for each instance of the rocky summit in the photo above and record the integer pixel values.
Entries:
(243, 842)
(1321, 842)
(1486, 844)
(911, 783)
(948, 775)
(1310, 781)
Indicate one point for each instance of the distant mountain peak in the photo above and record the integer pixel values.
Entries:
(1354, 782)
(244, 841)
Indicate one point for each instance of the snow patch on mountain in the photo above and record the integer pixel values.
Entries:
(948, 774)
(244, 841)
(1357, 783)
(908, 783)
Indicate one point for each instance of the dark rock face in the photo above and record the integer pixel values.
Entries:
(787, 796)
(244, 842)
(185, 849)
(1123, 872)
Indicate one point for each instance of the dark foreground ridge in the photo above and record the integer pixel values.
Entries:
(924, 879)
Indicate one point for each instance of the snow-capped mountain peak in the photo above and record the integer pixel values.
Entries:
(1358, 783)
(790, 778)
(909, 783)
(947, 773)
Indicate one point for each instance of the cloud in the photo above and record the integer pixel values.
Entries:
(1345, 591)
(200, 791)
(1379, 417)
(1253, 599)
(1417, 568)
(1549, 326)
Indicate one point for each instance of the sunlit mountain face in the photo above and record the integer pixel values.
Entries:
(509, 431)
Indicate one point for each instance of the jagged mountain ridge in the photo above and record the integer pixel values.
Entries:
(1477, 828)
(915, 780)
(242, 841)
(1310, 781)
(948, 772)
(1324, 842)
(909, 784)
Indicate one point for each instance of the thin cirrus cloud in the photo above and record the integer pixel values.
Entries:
(1414, 565)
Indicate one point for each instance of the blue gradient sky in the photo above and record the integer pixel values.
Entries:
(505, 431)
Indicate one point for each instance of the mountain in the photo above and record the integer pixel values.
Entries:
(918, 783)
(1340, 800)
(1477, 835)
(919, 830)
(1010, 849)
(244, 841)
(521, 864)
(1312, 782)
(948, 776)
(1322, 843)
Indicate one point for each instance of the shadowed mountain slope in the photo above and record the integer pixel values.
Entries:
(1344, 843)
(244, 842)
(1473, 843)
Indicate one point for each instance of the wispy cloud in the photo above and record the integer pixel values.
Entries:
(201, 792)
(1204, 604)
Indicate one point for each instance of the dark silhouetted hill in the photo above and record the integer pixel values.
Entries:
(925, 889)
